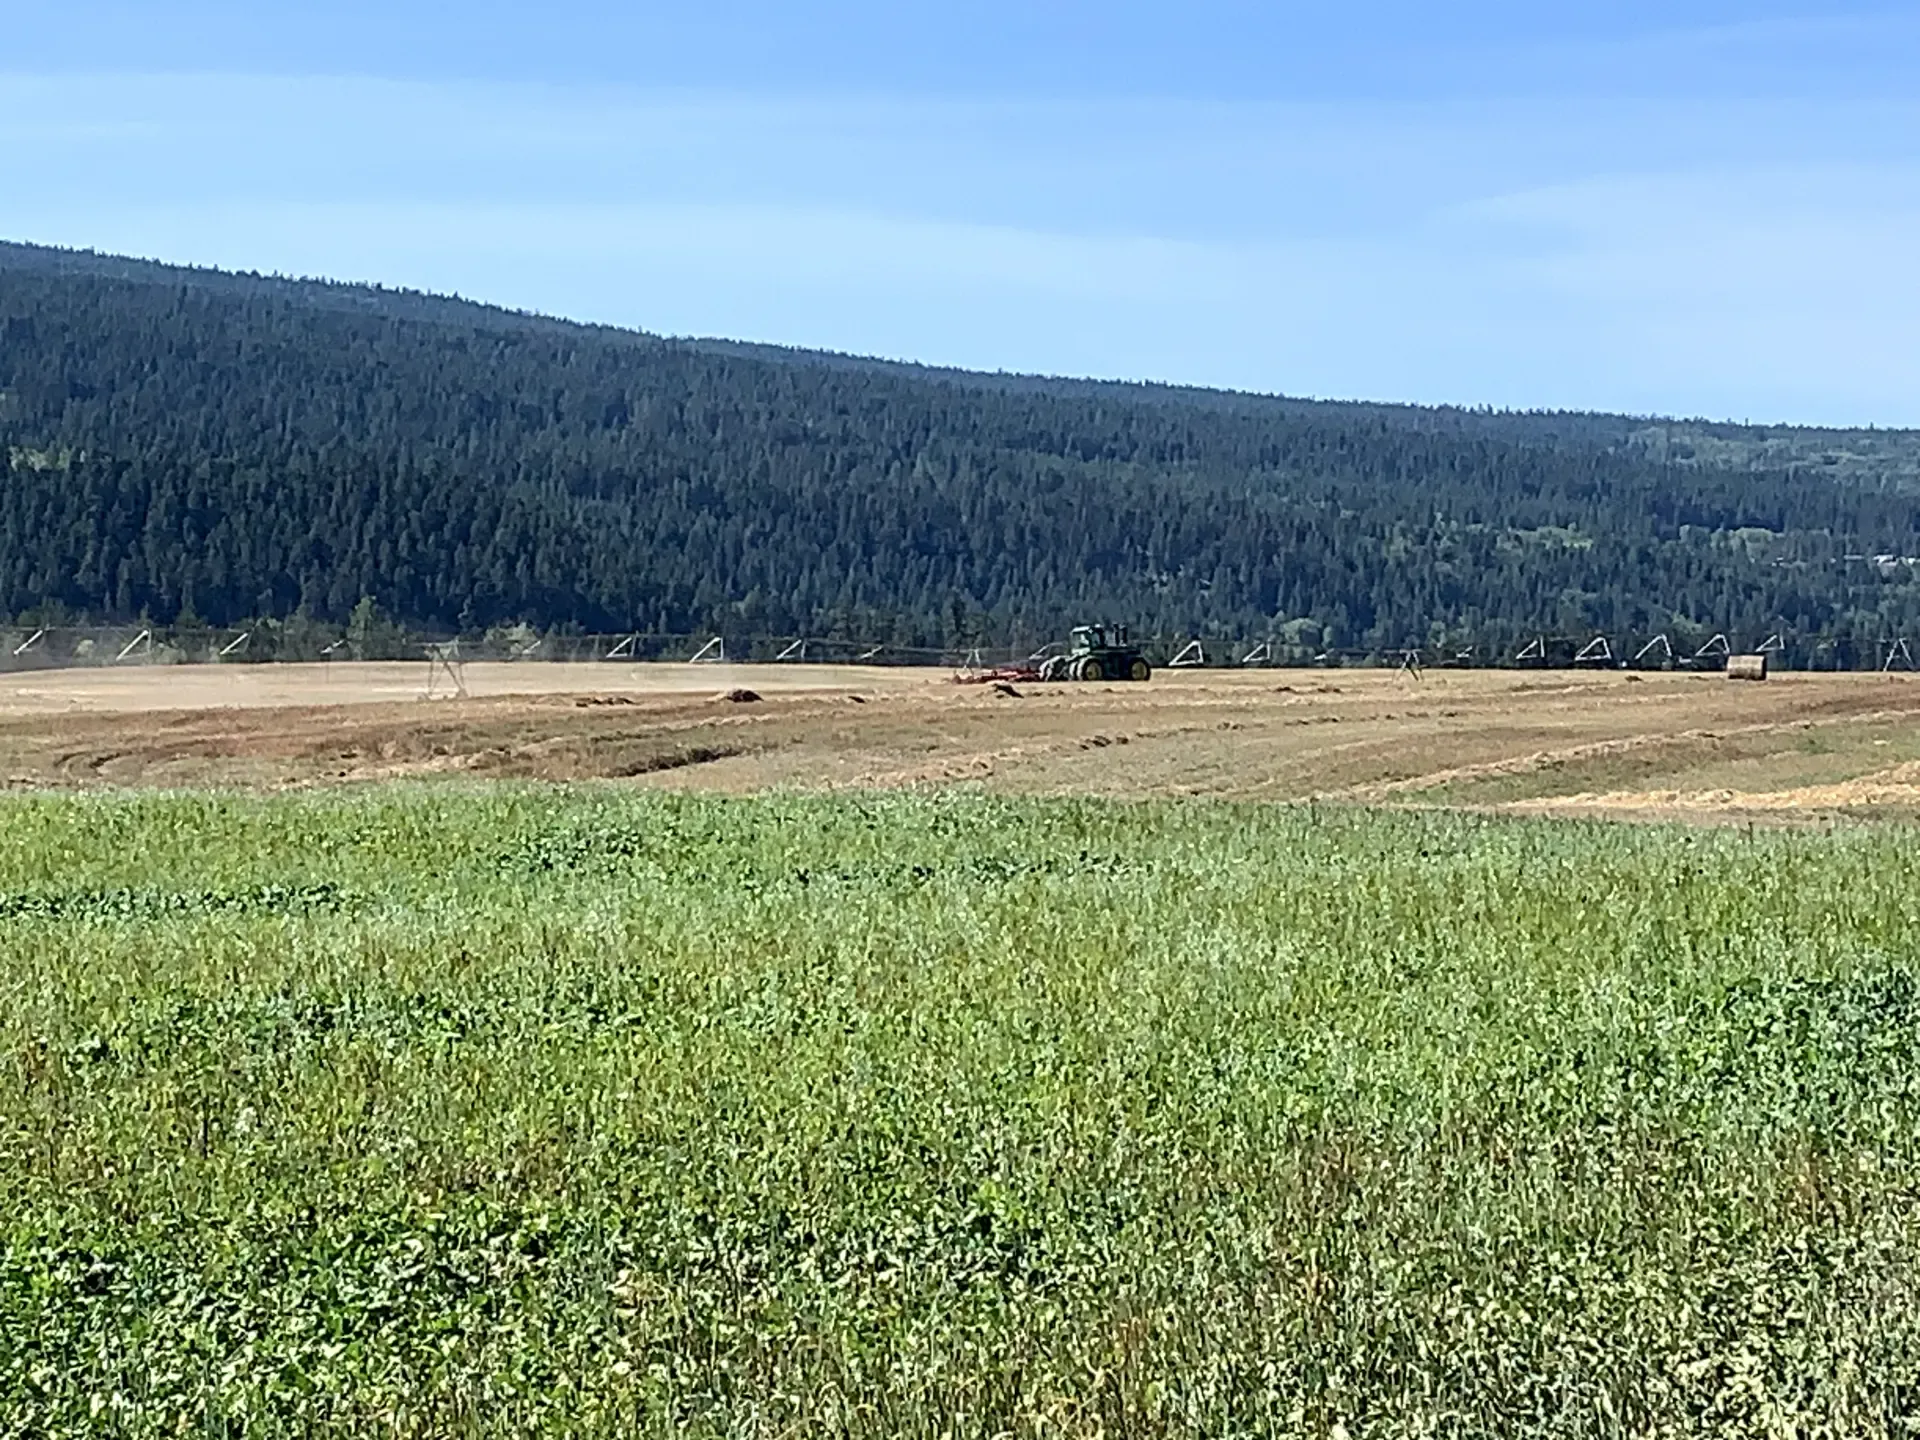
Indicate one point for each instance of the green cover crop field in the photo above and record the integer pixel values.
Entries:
(422, 1111)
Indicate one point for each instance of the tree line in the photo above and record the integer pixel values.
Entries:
(191, 447)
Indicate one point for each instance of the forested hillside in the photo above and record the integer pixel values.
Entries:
(229, 448)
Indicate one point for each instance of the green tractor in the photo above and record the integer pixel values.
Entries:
(1100, 652)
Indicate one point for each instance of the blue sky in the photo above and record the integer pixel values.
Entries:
(1692, 208)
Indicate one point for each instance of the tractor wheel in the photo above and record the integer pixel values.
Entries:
(1139, 671)
(1090, 669)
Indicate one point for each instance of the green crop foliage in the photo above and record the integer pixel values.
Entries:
(427, 1111)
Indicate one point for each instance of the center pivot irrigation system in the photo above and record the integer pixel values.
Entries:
(1097, 651)
(1661, 652)
(1108, 652)
(446, 672)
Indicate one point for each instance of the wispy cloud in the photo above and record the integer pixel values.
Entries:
(1737, 257)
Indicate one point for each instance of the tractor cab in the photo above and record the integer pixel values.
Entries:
(1099, 652)
(1088, 638)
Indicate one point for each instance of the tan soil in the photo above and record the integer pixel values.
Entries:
(204, 687)
(1671, 745)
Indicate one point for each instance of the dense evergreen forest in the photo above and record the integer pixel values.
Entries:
(188, 446)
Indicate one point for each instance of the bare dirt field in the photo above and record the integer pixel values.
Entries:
(1652, 745)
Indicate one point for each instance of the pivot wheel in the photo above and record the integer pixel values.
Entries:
(1139, 670)
(1089, 669)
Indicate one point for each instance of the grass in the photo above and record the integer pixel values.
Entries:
(430, 1111)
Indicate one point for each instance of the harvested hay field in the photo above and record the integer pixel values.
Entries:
(1596, 744)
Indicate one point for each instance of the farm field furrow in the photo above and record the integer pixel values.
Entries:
(416, 1110)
